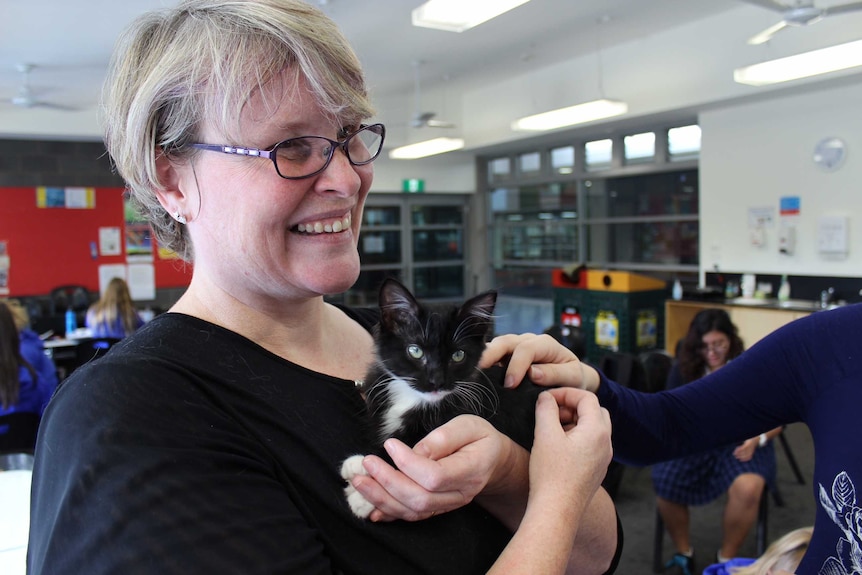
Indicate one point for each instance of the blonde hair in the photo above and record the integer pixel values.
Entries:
(784, 553)
(116, 303)
(202, 61)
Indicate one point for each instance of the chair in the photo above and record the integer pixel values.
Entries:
(20, 432)
(760, 532)
(657, 365)
(75, 297)
(91, 348)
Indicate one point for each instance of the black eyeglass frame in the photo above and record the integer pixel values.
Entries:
(270, 153)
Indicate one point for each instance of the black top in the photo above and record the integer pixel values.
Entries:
(190, 449)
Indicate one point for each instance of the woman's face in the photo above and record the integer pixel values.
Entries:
(716, 345)
(245, 220)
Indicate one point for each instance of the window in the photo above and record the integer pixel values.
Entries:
(683, 143)
(639, 148)
(563, 160)
(530, 163)
(599, 154)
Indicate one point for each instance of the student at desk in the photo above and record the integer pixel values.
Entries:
(24, 387)
(114, 315)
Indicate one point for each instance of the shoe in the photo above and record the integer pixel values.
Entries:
(683, 562)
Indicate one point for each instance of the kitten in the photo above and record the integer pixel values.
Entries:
(426, 373)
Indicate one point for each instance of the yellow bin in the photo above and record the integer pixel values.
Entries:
(621, 281)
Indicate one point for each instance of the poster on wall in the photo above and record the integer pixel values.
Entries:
(4, 269)
(71, 198)
(139, 237)
(109, 241)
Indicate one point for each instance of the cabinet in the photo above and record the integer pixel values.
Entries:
(754, 322)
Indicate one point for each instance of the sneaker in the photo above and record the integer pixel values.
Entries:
(684, 563)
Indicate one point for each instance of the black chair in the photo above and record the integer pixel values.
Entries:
(65, 297)
(89, 349)
(18, 432)
(760, 532)
(657, 365)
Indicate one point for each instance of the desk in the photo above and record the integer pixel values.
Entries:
(64, 353)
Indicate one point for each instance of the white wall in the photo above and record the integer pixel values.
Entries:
(449, 173)
(754, 154)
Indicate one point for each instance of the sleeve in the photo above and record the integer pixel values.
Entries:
(770, 384)
(139, 471)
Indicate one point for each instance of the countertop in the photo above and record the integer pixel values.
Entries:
(766, 303)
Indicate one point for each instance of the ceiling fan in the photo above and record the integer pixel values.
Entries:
(424, 119)
(797, 13)
(26, 97)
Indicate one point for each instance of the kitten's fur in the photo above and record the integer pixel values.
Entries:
(426, 373)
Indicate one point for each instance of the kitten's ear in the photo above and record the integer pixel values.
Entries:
(480, 310)
(397, 304)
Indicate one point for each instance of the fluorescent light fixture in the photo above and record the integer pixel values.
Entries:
(460, 15)
(426, 148)
(803, 65)
(586, 112)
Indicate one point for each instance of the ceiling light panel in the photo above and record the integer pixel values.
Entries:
(426, 148)
(814, 63)
(460, 15)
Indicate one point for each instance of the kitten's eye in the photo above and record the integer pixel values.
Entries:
(415, 351)
(459, 356)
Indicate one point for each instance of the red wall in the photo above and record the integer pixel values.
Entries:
(49, 247)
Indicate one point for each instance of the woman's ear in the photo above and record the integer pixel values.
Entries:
(169, 193)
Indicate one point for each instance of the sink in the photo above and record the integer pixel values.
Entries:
(799, 304)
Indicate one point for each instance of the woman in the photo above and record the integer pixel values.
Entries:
(114, 315)
(739, 469)
(807, 371)
(32, 347)
(23, 387)
(210, 440)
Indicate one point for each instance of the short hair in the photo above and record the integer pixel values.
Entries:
(202, 61)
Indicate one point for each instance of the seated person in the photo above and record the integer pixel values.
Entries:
(114, 315)
(24, 387)
(32, 347)
(739, 470)
(780, 558)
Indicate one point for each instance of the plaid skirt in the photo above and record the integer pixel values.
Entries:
(701, 478)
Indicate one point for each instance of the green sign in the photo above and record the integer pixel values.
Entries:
(413, 185)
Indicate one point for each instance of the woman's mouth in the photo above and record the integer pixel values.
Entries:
(328, 226)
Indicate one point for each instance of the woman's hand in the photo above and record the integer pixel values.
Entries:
(444, 471)
(543, 358)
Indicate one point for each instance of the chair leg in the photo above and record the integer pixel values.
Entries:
(762, 522)
(658, 542)
(791, 458)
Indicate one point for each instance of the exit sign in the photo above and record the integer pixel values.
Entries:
(413, 185)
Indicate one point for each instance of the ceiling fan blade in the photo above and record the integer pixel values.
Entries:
(842, 8)
(766, 35)
(773, 5)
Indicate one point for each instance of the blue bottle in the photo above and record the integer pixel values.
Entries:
(71, 322)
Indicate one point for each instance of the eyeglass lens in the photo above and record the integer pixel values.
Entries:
(299, 157)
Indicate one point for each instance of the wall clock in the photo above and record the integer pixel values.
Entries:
(829, 153)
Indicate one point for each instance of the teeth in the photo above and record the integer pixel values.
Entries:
(328, 228)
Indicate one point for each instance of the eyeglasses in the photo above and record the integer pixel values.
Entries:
(719, 347)
(306, 156)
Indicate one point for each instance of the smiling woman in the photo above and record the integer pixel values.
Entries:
(242, 131)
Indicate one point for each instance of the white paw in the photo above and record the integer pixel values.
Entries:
(352, 467)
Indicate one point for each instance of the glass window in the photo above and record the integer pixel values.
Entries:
(364, 291)
(446, 282)
(381, 216)
(683, 143)
(539, 197)
(436, 215)
(644, 242)
(499, 169)
(599, 154)
(530, 163)
(664, 194)
(545, 236)
(435, 245)
(563, 160)
(380, 247)
(639, 148)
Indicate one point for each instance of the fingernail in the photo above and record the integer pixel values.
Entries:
(509, 381)
(370, 465)
(536, 373)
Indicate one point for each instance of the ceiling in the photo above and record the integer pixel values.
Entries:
(69, 42)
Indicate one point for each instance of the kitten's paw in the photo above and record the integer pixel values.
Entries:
(357, 502)
(352, 467)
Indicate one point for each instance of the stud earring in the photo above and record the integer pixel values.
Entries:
(180, 218)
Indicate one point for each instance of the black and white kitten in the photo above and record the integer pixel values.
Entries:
(426, 373)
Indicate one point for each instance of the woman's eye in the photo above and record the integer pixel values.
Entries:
(415, 351)
(459, 356)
